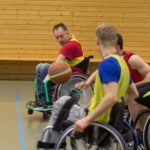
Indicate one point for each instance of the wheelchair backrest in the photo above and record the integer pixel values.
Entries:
(84, 64)
(117, 114)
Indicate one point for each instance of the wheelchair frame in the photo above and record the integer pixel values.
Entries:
(111, 130)
(61, 123)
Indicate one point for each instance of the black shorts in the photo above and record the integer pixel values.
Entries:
(144, 94)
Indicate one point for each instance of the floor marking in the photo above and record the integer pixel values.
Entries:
(21, 132)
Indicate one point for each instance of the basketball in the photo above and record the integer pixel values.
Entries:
(59, 72)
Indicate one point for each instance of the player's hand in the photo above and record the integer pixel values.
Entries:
(81, 85)
(80, 125)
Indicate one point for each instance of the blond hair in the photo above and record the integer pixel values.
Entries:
(106, 33)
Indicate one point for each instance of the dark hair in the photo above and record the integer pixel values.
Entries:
(59, 25)
(120, 41)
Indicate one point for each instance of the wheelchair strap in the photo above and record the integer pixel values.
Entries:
(44, 145)
(64, 113)
(41, 144)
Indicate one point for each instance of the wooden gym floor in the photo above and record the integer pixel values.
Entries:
(18, 130)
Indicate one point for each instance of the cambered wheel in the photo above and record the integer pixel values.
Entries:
(146, 134)
(98, 136)
(129, 136)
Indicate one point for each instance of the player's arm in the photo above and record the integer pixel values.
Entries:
(142, 67)
(107, 102)
(61, 57)
(131, 93)
(86, 83)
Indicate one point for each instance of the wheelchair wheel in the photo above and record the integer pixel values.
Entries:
(146, 134)
(129, 136)
(64, 89)
(97, 136)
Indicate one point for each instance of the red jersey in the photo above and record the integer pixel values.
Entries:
(135, 75)
(73, 50)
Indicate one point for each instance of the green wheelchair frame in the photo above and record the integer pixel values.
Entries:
(44, 110)
(45, 87)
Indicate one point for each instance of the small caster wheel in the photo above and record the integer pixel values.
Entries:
(30, 112)
(45, 115)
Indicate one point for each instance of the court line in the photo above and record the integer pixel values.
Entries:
(21, 131)
(25, 93)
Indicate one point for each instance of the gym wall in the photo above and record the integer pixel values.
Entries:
(26, 36)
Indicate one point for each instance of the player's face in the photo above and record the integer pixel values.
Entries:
(118, 50)
(61, 36)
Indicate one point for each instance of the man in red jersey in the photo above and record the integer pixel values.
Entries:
(140, 73)
(71, 52)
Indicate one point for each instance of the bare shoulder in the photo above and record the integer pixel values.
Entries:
(136, 62)
(136, 59)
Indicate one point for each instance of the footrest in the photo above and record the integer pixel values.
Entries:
(39, 108)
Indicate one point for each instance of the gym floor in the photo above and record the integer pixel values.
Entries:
(18, 130)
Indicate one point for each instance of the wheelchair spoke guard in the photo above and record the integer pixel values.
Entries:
(65, 89)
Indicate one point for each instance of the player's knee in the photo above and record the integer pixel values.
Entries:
(38, 67)
(44, 67)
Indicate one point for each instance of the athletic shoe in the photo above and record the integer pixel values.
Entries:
(40, 103)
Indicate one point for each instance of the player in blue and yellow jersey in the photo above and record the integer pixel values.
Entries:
(112, 82)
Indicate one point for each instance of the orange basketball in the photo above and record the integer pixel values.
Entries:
(59, 72)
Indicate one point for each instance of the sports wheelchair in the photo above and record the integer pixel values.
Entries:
(117, 135)
(63, 89)
(146, 131)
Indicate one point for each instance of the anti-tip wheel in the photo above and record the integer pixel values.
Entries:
(30, 112)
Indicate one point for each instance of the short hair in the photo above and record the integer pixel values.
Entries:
(120, 41)
(106, 33)
(59, 25)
